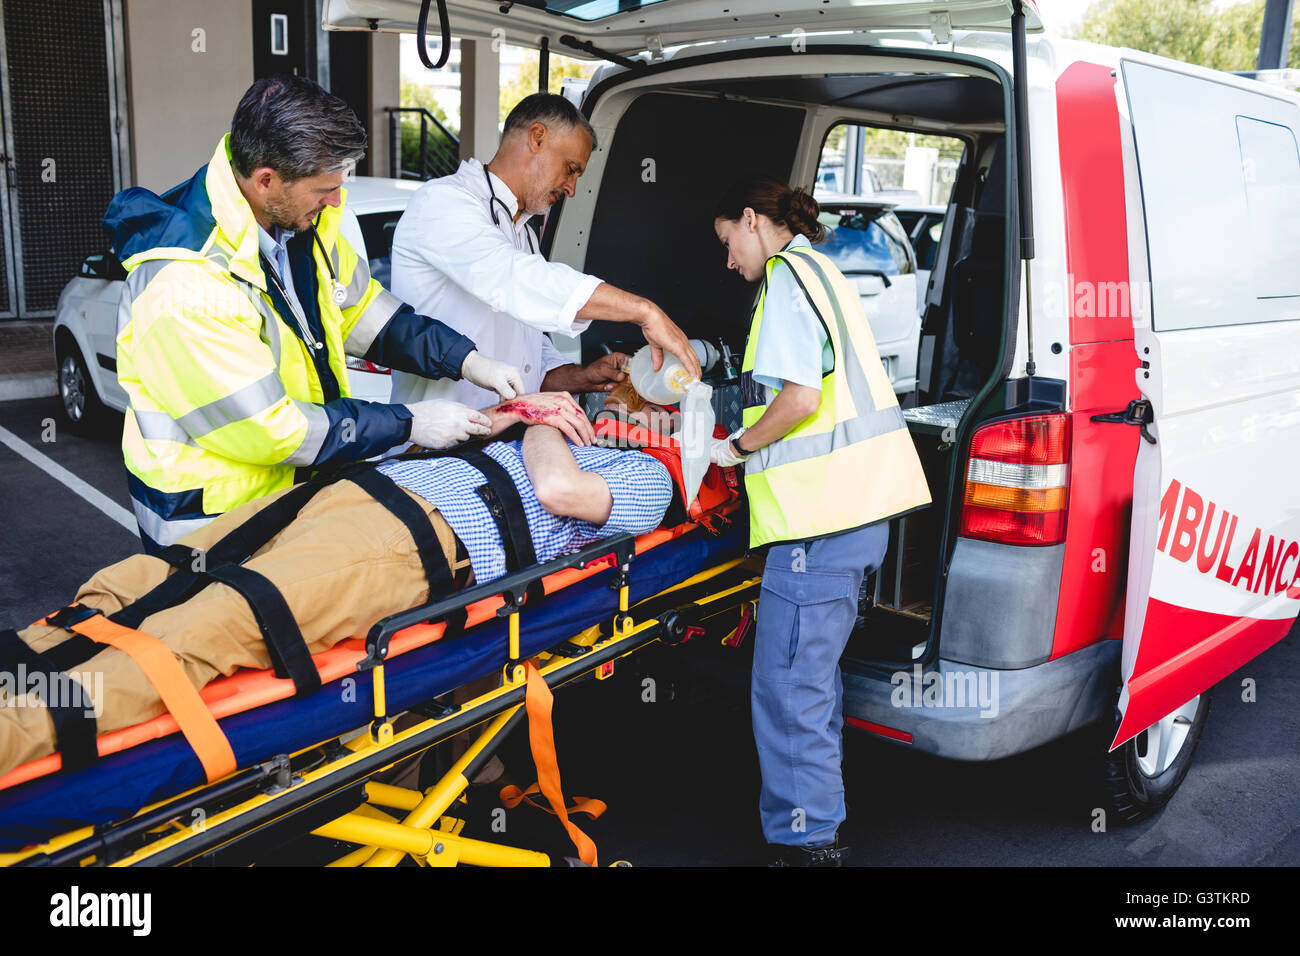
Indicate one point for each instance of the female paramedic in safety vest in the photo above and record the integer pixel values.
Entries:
(828, 461)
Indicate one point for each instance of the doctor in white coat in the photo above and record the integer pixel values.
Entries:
(464, 253)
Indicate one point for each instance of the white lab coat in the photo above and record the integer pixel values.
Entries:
(452, 263)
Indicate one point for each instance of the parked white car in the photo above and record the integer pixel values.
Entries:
(924, 225)
(85, 325)
(870, 246)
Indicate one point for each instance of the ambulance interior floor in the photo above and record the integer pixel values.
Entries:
(679, 771)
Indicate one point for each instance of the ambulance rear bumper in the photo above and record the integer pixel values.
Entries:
(963, 712)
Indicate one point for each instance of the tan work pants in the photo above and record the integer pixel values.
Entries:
(342, 564)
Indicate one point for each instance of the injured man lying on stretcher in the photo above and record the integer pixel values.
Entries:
(346, 560)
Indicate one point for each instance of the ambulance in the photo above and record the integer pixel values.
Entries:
(1108, 373)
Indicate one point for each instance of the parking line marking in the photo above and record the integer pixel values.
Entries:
(60, 474)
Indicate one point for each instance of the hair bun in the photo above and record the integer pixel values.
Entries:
(777, 201)
(802, 213)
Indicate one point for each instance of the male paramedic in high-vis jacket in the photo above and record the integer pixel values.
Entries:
(243, 300)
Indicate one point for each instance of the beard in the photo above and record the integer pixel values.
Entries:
(281, 213)
(544, 202)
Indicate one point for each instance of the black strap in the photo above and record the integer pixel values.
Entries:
(497, 509)
(74, 724)
(385, 491)
(236, 547)
(284, 641)
(74, 721)
(507, 509)
(73, 652)
(178, 556)
(285, 644)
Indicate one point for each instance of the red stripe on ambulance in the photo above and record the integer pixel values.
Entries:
(1090, 606)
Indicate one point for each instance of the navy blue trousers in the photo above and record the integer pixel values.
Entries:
(806, 610)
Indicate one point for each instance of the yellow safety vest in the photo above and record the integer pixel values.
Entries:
(224, 396)
(850, 463)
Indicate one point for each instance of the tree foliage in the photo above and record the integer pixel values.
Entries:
(418, 94)
(1194, 31)
(524, 81)
(894, 142)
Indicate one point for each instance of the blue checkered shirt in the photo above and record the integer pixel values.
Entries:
(640, 486)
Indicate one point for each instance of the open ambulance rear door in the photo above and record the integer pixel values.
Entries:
(626, 27)
(1212, 194)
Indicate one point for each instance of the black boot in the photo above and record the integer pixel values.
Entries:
(822, 854)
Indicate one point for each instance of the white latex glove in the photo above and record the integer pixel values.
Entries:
(499, 377)
(720, 454)
(440, 424)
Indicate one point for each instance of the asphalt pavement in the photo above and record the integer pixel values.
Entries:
(680, 774)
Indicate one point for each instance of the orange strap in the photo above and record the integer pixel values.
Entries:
(541, 739)
(512, 796)
(178, 695)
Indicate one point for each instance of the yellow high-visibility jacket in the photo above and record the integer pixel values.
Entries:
(852, 462)
(232, 394)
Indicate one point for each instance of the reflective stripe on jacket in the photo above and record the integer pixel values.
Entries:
(850, 463)
(229, 394)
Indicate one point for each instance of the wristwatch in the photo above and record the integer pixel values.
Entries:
(734, 438)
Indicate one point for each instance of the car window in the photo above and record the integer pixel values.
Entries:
(828, 179)
(103, 266)
(908, 218)
(865, 241)
(860, 160)
(927, 243)
(377, 232)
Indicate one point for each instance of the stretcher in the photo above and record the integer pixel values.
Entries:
(306, 763)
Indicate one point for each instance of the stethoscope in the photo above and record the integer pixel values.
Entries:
(338, 291)
(497, 201)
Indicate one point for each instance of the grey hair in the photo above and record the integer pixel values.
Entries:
(549, 109)
(294, 126)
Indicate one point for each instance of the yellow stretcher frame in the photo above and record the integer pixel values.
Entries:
(158, 835)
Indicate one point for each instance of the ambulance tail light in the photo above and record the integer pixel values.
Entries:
(1017, 481)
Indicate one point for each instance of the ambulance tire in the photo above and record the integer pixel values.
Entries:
(80, 408)
(1129, 794)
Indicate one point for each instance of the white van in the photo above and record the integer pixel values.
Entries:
(1108, 412)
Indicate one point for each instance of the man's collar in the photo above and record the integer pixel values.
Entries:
(499, 187)
(268, 242)
(234, 217)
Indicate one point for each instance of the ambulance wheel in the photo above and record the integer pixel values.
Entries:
(82, 410)
(1140, 776)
